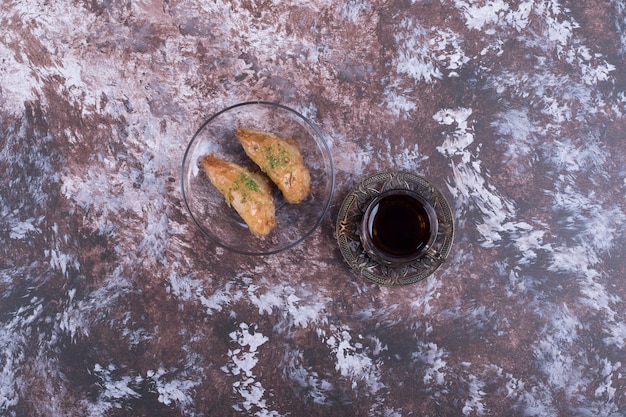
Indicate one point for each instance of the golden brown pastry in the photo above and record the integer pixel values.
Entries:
(248, 192)
(281, 159)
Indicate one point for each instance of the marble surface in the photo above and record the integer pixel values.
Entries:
(113, 304)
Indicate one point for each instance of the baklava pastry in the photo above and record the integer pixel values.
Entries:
(281, 159)
(247, 191)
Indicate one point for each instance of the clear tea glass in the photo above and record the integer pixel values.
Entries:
(399, 226)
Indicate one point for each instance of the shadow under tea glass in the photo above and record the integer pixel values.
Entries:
(398, 227)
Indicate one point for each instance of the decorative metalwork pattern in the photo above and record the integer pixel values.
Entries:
(351, 214)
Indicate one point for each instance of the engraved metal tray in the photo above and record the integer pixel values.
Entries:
(349, 220)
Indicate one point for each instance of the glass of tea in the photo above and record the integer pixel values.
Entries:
(398, 227)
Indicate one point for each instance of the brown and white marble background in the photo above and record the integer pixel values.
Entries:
(113, 304)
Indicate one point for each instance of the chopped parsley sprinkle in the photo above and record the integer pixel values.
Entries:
(247, 181)
(243, 184)
(276, 156)
(251, 184)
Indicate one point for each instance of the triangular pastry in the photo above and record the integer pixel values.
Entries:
(281, 159)
(247, 191)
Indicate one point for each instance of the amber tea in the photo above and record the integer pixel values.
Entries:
(398, 226)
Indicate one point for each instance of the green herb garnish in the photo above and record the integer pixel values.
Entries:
(251, 184)
(276, 157)
(243, 184)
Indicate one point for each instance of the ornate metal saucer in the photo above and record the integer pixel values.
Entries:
(351, 215)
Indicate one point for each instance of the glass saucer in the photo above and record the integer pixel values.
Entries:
(349, 223)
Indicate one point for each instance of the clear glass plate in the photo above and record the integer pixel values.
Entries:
(206, 205)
